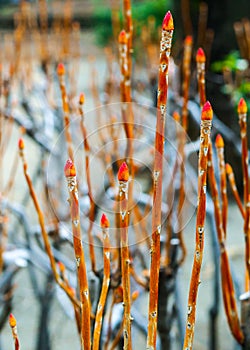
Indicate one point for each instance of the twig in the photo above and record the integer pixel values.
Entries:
(70, 174)
(90, 194)
(188, 43)
(123, 177)
(242, 112)
(231, 178)
(219, 143)
(227, 282)
(42, 226)
(126, 99)
(165, 48)
(206, 123)
(105, 283)
(117, 298)
(129, 31)
(247, 243)
(3, 238)
(171, 189)
(117, 338)
(12, 323)
(65, 103)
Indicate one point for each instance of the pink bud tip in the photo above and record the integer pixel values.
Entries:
(60, 69)
(168, 23)
(188, 40)
(12, 321)
(229, 169)
(242, 106)
(21, 144)
(219, 142)
(200, 56)
(81, 98)
(207, 112)
(123, 172)
(69, 169)
(104, 221)
(123, 39)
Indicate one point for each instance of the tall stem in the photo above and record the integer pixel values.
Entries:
(105, 282)
(70, 174)
(90, 194)
(219, 143)
(228, 294)
(206, 123)
(165, 48)
(123, 177)
(242, 112)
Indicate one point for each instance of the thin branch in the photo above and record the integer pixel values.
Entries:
(123, 177)
(228, 294)
(206, 123)
(41, 220)
(165, 48)
(70, 174)
(219, 143)
(105, 282)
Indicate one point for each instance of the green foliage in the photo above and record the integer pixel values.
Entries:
(234, 63)
(103, 27)
(141, 11)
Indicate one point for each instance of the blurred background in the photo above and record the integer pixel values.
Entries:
(35, 37)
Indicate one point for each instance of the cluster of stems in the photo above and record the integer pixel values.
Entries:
(228, 293)
(121, 290)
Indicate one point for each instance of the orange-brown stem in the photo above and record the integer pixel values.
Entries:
(231, 178)
(219, 143)
(90, 195)
(129, 29)
(105, 282)
(43, 228)
(165, 48)
(227, 282)
(126, 99)
(70, 174)
(123, 177)
(66, 110)
(242, 112)
(206, 123)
